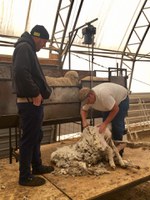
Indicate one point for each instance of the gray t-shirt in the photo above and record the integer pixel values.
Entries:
(107, 94)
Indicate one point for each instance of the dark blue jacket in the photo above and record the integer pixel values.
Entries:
(27, 75)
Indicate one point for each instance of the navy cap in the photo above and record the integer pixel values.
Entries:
(40, 31)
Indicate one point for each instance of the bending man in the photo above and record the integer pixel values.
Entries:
(110, 98)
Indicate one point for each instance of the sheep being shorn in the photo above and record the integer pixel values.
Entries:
(87, 155)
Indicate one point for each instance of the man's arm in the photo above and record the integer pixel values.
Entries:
(83, 114)
(110, 117)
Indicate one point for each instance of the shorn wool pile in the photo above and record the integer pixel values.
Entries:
(93, 154)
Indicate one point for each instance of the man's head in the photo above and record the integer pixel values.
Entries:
(40, 36)
(86, 96)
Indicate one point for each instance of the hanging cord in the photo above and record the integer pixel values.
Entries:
(91, 61)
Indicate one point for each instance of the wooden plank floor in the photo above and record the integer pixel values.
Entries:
(90, 187)
(76, 188)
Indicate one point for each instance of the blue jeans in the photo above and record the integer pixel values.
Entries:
(31, 118)
(118, 123)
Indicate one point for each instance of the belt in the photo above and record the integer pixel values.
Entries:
(24, 100)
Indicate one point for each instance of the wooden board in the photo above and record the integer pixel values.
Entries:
(94, 187)
(11, 190)
(76, 188)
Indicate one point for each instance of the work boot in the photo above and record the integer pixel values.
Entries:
(32, 181)
(42, 170)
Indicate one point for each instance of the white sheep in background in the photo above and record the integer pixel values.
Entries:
(91, 149)
(71, 78)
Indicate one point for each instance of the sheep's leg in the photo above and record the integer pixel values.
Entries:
(110, 155)
(121, 146)
(116, 151)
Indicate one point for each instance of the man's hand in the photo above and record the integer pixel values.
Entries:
(37, 100)
(85, 124)
(102, 127)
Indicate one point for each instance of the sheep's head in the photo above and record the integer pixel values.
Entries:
(73, 76)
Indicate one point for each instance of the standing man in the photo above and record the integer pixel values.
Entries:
(31, 89)
(110, 98)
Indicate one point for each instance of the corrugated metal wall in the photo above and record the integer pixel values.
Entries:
(49, 137)
(51, 133)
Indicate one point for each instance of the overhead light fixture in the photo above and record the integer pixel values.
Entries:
(88, 33)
